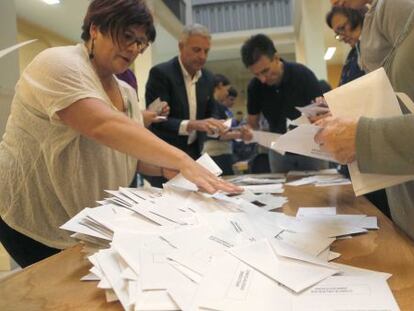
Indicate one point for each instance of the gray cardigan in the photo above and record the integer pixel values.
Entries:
(386, 146)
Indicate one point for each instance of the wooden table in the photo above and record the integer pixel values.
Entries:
(53, 284)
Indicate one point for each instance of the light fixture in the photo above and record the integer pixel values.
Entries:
(330, 52)
(50, 2)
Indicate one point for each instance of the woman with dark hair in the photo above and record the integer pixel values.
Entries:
(75, 130)
(347, 25)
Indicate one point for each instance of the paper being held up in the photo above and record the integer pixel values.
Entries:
(370, 96)
(300, 141)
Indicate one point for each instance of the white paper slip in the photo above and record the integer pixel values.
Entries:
(264, 139)
(377, 94)
(307, 242)
(227, 123)
(293, 274)
(270, 188)
(233, 285)
(181, 182)
(313, 110)
(312, 211)
(347, 293)
(301, 141)
(300, 121)
(156, 106)
(108, 261)
(8, 50)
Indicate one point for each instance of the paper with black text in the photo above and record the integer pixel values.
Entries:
(370, 96)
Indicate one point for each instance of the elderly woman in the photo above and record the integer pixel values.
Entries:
(75, 130)
(387, 40)
(347, 25)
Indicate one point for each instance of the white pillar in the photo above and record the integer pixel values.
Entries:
(142, 67)
(310, 40)
(9, 64)
(188, 12)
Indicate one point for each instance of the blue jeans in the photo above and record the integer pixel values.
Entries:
(294, 162)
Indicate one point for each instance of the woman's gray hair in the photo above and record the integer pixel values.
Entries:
(194, 29)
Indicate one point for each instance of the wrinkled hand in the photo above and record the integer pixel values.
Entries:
(338, 137)
(314, 119)
(204, 179)
(210, 126)
(320, 101)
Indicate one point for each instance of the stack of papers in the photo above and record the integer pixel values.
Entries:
(321, 181)
(182, 250)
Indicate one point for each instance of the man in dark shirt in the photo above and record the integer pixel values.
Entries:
(278, 87)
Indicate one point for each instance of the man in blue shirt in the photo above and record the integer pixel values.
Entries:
(277, 88)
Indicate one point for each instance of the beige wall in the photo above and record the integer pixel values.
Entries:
(46, 39)
(334, 74)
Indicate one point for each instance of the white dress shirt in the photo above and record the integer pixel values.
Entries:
(190, 87)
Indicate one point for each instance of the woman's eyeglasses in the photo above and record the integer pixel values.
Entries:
(340, 31)
(129, 39)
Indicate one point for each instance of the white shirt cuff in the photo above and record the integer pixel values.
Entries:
(183, 128)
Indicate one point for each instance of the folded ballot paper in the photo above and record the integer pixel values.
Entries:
(370, 96)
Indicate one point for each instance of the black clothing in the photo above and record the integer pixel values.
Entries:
(166, 81)
(299, 86)
(24, 250)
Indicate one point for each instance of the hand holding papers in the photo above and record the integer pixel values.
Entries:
(301, 141)
(370, 96)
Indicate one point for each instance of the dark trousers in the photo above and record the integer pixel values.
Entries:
(24, 250)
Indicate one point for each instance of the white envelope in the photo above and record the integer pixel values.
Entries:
(347, 293)
(371, 96)
(264, 139)
(293, 274)
(301, 141)
(232, 285)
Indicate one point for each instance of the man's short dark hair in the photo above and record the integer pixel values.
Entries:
(232, 92)
(219, 78)
(115, 16)
(355, 17)
(256, 47)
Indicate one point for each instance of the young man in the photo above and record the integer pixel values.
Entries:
(277, 88)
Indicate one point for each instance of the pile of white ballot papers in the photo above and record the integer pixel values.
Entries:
(176, 249)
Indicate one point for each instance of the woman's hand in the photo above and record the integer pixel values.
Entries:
(204, 179)
(338, 137)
